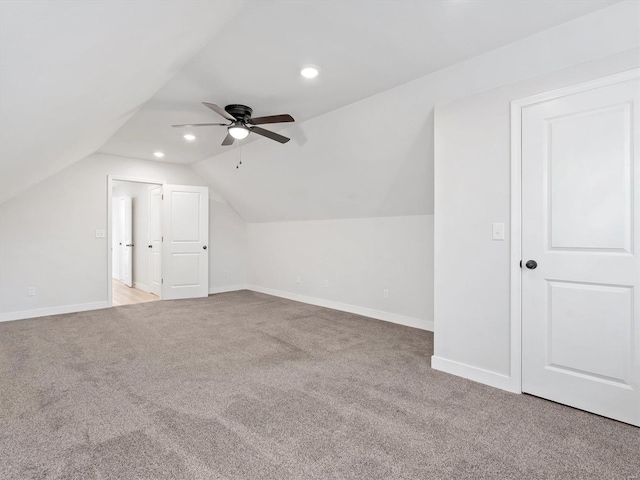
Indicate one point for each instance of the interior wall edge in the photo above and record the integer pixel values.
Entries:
(142, 286)
(420, 323)
(230, 288)
(476, 374)
(45, 312)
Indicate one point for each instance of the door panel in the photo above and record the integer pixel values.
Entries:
(126, 241)
(580, 306)
(155, 240)
(589, 205)
(185, 225)
(115, 238)
(185, 269)
(186, 235)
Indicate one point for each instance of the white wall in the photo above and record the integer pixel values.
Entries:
(227, 248)
(357, 258)
(47, 236)
(472, 190)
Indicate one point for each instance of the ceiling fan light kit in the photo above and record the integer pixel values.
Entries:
(238, 131)
(241, 123)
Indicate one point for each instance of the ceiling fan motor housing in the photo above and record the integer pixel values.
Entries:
(241, 112)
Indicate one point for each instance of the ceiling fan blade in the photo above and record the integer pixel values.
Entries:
(272, 135)
(220, 111)
(228, 140)
(201, 125)
(272, 119)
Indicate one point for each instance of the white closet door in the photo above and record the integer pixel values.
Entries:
(126, 241)
(155, 240)
(581, 225)
(185, 259)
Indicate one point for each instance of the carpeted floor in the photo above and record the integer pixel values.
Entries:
(247, 386)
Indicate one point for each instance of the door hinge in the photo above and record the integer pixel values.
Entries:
(162, 281)
(163, 196)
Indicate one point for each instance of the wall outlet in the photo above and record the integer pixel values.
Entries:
(385, 293)
(298, 279)
(101, 233)
(31, 291)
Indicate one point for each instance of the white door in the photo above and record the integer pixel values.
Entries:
(581, 224)
(116, 238)
(155, 240)
(125, 243)
(185, 259)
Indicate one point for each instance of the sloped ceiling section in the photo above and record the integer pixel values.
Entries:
(353, 162)
(72, 73)
(363, 47)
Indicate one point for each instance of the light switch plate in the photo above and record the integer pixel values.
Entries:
(498, 231)
(100, 234)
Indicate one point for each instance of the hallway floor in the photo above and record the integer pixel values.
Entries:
(123, 295)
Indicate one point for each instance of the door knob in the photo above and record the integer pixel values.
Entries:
(204, 247)
(129, 245)
(150, 246)
(531, 264)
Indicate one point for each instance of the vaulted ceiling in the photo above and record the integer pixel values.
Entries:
(81, 77)
(73, 72)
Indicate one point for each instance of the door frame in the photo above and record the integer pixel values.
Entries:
(110, 180)
(516, 206)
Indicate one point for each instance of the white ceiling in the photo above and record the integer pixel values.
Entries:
(73, 72)
(363, 47)
(77, 77)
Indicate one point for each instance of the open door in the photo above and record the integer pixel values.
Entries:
(125, 243)
(185, 259)
(155, 240)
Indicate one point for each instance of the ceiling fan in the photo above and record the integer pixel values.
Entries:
(241, 123)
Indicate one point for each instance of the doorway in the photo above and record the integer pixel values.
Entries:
(576, 224)
(136, 211)
(165, 245)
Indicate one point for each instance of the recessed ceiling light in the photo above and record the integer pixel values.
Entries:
(309, 72)
(158, 154)
(189, 137)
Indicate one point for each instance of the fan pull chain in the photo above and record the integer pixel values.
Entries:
(239, 153)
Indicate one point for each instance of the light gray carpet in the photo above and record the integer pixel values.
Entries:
(247, 386)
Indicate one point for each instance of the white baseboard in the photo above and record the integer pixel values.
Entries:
(43, 312)
(423, 324)
(230, 288)
(476, 374)
(141, 286)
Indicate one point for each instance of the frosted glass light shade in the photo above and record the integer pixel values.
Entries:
(238, 132)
